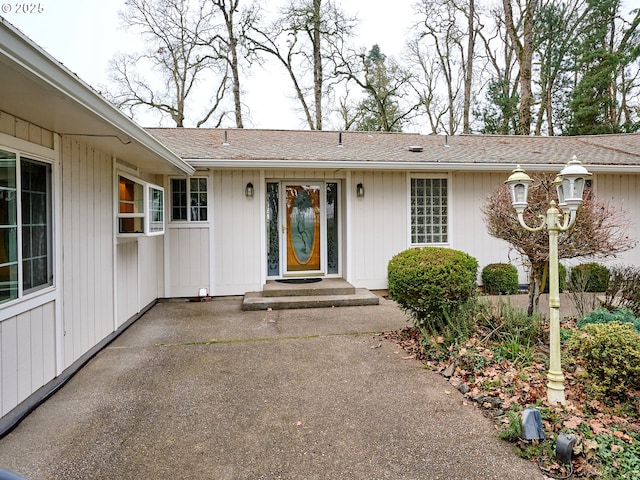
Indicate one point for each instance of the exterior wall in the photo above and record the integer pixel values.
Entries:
(23, 130)
(27, 354)
(378, 226)
(189, 250)
(468, 232)
(87, 242)
(237, 238)
(622, 191)
(30, 333)
(99, 282)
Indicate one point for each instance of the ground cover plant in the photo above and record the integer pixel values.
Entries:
(500, 366)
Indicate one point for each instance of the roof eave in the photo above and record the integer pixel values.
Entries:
(398, 166)
(28, 56)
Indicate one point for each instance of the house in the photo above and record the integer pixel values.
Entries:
(372, 195)
(71, 274)
(101, 218)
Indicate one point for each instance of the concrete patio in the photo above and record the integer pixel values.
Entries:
(203, 390)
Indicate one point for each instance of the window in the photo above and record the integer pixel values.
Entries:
(26, 252)
(189, 199)
(429, 211)
(140, 207)
(156, 210)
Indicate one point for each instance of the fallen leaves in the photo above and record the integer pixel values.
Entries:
(499, 385)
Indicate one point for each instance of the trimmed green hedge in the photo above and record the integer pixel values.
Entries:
(590, 277)
(431, 284)
(500, 279)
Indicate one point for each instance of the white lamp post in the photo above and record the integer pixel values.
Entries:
(569, 184)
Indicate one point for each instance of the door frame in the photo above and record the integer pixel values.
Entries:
(282, 228)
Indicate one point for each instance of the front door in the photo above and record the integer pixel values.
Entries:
(303, 231)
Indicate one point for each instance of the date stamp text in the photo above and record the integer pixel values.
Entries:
(21, 8)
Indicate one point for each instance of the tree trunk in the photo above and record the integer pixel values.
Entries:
(524, 50)
(468, 74)
(317, 62)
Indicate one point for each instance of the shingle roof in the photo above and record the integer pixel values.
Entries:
(202, 145)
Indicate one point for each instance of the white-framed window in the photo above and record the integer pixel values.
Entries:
(26, 243)
(140, 207)
(189, 199)
(429, 210)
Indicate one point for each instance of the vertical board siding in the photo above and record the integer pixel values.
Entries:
(87, 239)
(468, 229)
(151, 271)
(27, 354)
(127, 280)
(379, 225)
(18, 128)
(236, 235)
(188, 260)
(621, 191)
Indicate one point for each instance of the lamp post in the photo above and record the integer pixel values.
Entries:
(569, 185)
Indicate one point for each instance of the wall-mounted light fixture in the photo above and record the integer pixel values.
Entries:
(248, 190)
(360, 190)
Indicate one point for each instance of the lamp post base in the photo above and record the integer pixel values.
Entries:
(555, 389)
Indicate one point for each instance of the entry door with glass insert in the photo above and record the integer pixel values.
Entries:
(303, 235)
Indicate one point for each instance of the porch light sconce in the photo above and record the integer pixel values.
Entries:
(248, 191)
(359, 190)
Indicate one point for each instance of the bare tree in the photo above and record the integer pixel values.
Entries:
(427, 87)
(520, 31)
(449, 30)
(225, 41)
(304, 40)
(599, 231)
(170, 29)
(500, 114)
(386, 85)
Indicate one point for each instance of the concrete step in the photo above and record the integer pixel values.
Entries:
(326, 286)
(258, 301)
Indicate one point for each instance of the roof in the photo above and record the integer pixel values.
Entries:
(36, 88)
(364, 150)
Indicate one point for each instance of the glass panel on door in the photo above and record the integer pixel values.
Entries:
(303, 235)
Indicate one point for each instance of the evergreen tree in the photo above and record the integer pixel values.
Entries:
(607, 48)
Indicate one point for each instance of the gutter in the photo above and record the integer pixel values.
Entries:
(29, 56)
(401, 166)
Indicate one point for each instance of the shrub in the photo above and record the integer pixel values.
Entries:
(593, 277)
(432, 284)
(610, 355)
(624, 289)
(562, 279)
(602, 316)
(500, 279)
(505, 323)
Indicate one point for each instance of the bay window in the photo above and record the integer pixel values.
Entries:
(140, 207)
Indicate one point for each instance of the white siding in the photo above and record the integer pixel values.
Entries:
(378, 226)
(189, 259)
(622, 191)
(127, 280)
(468, 231)
(236, 233)
(27, 354)
(151, 265)
(87, 239)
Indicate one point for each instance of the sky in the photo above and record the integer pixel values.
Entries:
(85, 34)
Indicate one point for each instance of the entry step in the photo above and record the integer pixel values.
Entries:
(258, 301)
